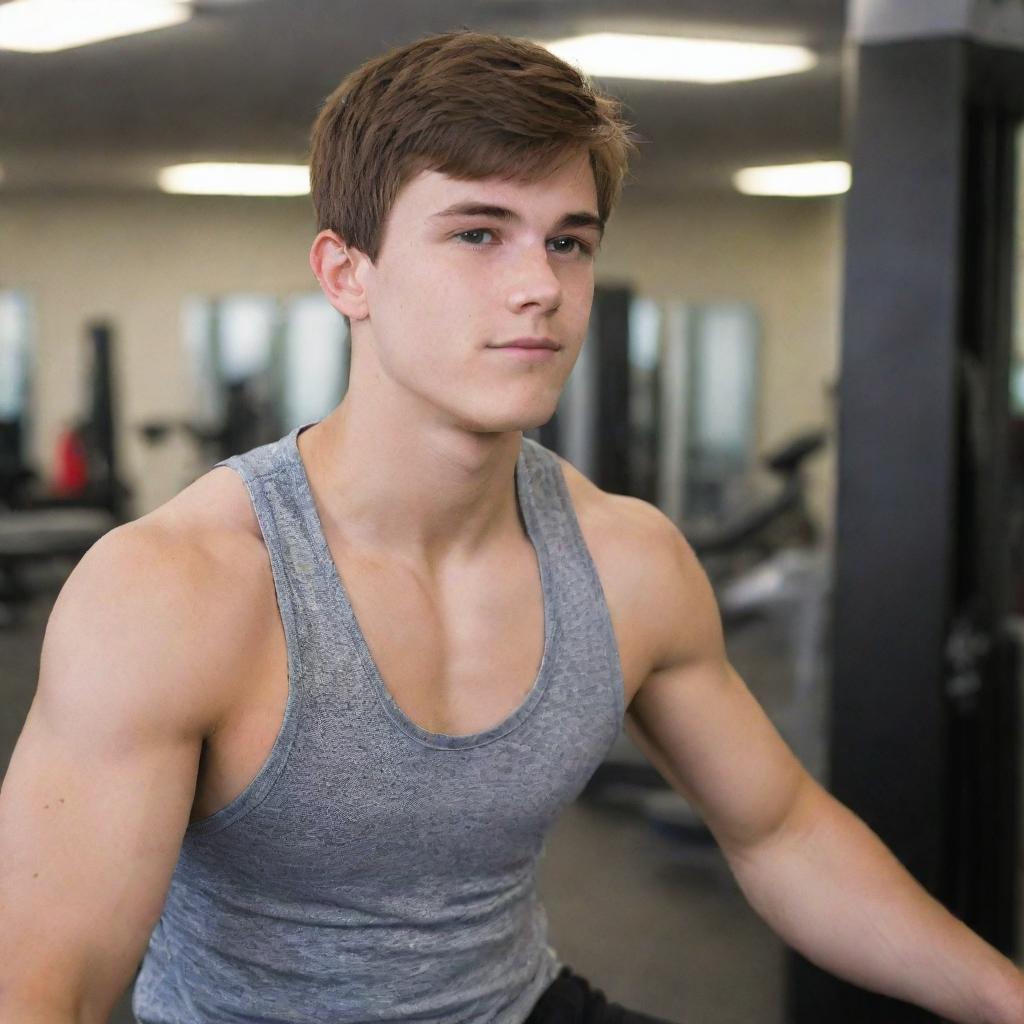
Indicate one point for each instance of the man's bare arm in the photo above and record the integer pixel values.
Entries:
(823, 881)
(100, 786)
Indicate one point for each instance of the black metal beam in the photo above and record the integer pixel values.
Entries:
(925, 728)
(896, 526)
(610, 325)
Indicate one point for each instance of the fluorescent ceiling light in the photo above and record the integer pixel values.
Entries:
(236, 179)
(43, 26)
(825, 178)
(676, 59)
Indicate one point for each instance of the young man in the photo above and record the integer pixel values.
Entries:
(300, 732)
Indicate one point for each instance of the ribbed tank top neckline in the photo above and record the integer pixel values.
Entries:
(322, 553)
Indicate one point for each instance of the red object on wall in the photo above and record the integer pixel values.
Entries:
(72, 475)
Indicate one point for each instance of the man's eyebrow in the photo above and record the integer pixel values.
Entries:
(472, 209)
(582, 219)
(579, 219)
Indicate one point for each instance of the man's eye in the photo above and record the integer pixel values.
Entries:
(568, 245)
(475, 235)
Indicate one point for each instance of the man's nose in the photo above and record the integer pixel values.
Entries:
(534, 283)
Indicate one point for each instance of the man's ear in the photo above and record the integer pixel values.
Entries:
(339, 268)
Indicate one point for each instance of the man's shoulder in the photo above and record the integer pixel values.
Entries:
(212, 511)
(207, 539)
(619, 525)
(185, 590)
(204, 540)
(653, 581)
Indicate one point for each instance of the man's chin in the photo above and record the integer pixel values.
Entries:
(523, 421)
(508, 425)
(524, 417)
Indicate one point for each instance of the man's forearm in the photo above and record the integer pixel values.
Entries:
(829, 887)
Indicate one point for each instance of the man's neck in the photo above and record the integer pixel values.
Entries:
(425, 492)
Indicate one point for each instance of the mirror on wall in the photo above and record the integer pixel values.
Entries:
(691, 401)
(260, 365)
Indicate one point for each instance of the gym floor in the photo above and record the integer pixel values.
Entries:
(660, 926)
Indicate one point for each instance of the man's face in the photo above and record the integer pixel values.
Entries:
(468, 267)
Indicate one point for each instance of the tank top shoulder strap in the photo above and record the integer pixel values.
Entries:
(551, 504)
(579, 592)
(269, 475)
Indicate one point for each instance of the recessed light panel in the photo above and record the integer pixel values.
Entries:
(678, 59)
(822, 178)
(213, 179)
(44, 26)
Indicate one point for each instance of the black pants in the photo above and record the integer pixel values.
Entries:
(569, 999)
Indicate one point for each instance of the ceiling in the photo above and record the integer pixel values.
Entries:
(244, 79)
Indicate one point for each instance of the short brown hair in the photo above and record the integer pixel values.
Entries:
(465, 104)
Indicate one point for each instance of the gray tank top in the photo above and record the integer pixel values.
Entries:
(373, 870)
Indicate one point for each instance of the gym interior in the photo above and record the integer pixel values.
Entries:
(819, 382)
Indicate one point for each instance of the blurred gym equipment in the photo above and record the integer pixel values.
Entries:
(246, 423)
(777, 522)
(38, 526)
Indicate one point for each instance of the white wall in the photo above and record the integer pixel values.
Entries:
(132, 259)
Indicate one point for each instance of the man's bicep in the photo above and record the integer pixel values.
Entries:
(694, 715)
(100, 786)
(88, 843)
(710, 738)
